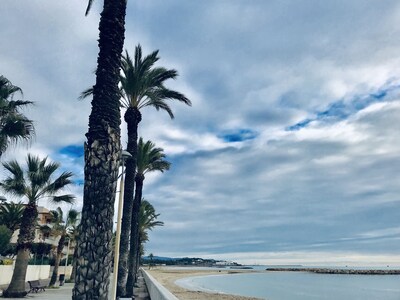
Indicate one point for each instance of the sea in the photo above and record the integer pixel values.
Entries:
(299, 285)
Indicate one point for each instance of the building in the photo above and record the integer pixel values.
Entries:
(43, 236)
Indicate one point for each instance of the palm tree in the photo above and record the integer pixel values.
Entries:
(151, 256)
(149, 159)
(14, 126)
(147, 221)
(73, 235)
(142, 85)
(34, 183)
(11, 215)
(62, 229)
(102, 156)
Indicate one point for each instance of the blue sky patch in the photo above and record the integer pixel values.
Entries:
(238, 135)
(72, 150)
(79, 181)
(341, 110)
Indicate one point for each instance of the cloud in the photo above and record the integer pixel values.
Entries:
(341, 110)
(288, 191)
(241, 185)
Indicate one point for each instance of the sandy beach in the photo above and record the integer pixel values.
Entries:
(168, 276)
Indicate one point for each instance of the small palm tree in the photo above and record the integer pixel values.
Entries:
(14, 126)
(141, 85)
(11, 215)
(149, 159)
(61, 229)
(34, 183)
(151, 256)
(73, 236)
(147, 221)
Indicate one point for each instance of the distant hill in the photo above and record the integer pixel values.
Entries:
(160, 258)
(193, 261)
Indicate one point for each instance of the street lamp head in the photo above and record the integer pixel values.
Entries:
(125, 155)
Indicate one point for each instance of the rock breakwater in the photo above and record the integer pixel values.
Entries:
(337, 271)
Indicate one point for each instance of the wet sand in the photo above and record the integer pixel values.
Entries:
(168, 276)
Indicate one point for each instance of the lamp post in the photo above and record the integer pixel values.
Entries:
(124, 155)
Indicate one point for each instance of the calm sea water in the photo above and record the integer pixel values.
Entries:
(300, 286)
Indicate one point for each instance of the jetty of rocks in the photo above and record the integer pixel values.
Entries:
(337, 271)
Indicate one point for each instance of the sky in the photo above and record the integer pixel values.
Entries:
(290, 151)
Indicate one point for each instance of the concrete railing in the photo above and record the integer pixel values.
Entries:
(156, 290)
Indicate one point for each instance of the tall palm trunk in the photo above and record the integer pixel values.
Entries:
(26, 236)
(133, 266)
(138, 255)
(102, 152)
(132, 118)
(60, 247)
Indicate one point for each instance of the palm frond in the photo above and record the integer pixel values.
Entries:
(90, 2)
(7, 89)
(14, 126)
(72, 217)
(14, 168)
(39, 171)
(36, 180)
(14, 184)
(143, 84)
(147, 220)
(159, 166)
(56, 215)
(59, 183)
(138, 55)
(154, 101)
(146, 64)
(157, 76)
(11, 215)
(150, 158)
(14, 105)
(86, 93)
(13, 187)
(63, 199)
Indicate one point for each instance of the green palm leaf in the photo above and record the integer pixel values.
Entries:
(14, 126)
(143, 84)
(11, 215)
(36, 181)
(147, 220)
(150, 158)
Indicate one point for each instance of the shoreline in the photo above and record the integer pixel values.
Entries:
(167, 276)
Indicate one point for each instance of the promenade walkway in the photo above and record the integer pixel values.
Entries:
(62, 293)
(65, 293)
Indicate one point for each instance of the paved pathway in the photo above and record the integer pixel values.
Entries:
(62, 293)
(65, 292)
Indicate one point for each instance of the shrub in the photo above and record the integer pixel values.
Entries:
(5, 237)
(6, 262)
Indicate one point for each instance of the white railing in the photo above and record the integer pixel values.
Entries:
(156, 290)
